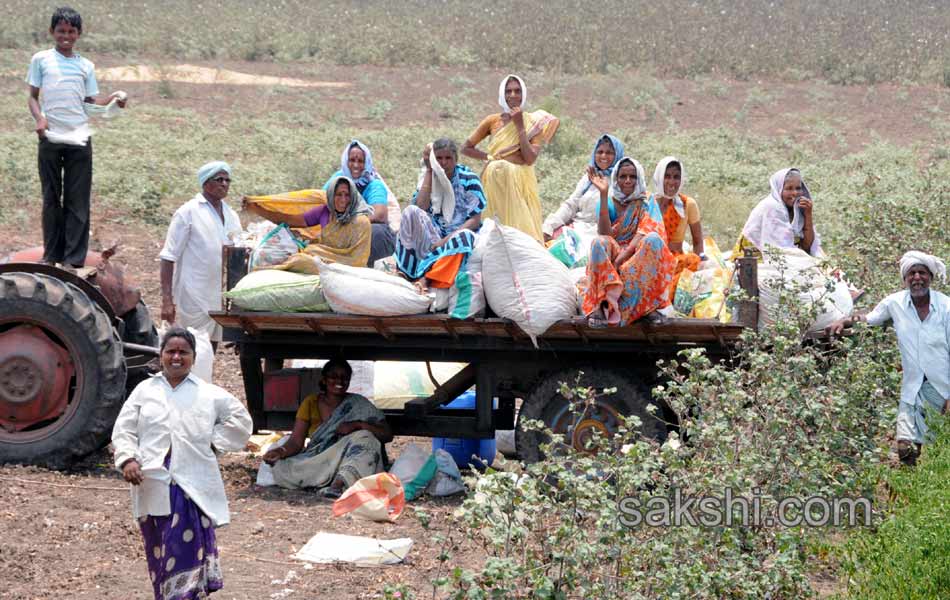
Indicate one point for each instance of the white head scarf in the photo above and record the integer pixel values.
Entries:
(659, 175)
(768, 222)
(501, 93)
(915, 257)
(638, 193)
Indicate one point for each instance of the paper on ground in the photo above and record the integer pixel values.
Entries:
(361, 551)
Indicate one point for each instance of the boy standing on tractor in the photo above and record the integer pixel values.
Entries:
(61, 84)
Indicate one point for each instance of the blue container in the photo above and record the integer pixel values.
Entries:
(462, 450)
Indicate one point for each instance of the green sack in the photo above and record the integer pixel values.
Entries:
(278, 291)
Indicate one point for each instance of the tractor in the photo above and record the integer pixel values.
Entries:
(72, 345)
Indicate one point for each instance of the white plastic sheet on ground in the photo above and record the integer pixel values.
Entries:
(361, 551)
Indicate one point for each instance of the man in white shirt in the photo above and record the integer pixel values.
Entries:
(921, 319)
(191, 257)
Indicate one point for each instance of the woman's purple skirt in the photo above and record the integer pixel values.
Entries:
(181, 551)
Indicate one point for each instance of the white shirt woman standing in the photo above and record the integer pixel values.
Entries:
(165, 440)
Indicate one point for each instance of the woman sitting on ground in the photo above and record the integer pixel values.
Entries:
(511, 186)
(165, 440)
(581, 210)
(630, 267)
(345, 232)
(782, 219)
(679, 211)
(357, 164)
(346, 435)
(438, 228)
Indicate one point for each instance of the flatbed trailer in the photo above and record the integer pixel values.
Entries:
(502, 363)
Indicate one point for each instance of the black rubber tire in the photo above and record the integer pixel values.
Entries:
(545, 402)
(139, 327)
(96, 350)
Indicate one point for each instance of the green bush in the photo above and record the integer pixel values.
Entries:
(784, 420)
(906, 557)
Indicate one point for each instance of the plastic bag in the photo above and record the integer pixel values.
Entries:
(415, 468)
(448, 478)
(276, 247)
(567, 249)
(265, 474)
(378, 497)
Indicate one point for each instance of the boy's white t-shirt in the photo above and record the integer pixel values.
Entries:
(64, 82)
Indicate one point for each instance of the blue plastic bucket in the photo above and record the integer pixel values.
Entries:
(463, 450)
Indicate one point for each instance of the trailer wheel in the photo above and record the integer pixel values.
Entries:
(547, 404)
(62, 373)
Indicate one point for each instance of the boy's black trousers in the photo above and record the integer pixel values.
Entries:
(66, 178)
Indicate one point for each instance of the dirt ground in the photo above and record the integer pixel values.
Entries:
(71, 534)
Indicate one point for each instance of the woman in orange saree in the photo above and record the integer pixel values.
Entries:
(509, 180)
(679, 212)
(631, 267)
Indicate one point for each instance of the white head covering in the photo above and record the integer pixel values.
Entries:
(442, 194)
(501, 93)
(659, 175)
(915, 257)
(768, 222)
(209, 170)
(639, 192)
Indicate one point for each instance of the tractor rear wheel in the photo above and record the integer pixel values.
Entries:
(616, 395)
(62, 371)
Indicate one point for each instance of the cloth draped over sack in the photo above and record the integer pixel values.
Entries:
(294, 203)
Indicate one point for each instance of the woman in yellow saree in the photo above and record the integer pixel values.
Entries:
(345, 231)
(510, 184)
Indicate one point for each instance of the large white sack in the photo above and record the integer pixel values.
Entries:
(801, 270)
(524, 282)
(278, 291)
(363, 291)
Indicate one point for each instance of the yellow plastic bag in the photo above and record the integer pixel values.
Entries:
(378, 497)
(294, 203)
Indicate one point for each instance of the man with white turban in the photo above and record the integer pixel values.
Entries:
(921, 318)
(191, 257)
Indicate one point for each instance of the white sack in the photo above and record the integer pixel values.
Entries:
(524, 282)
(363, 291)
(802, 269)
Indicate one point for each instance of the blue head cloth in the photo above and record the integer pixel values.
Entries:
(618, 154)
(369, 173)
(209, 170)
